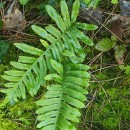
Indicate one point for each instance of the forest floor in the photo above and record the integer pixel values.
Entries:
(108, 104)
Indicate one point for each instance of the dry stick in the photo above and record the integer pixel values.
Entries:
(127, 56)
(29, 23)
(32, 38)
(105, 80)
(116, 79)
(102, 106)
(101, 64)
(96, 128)
(128, 125)
(104, 68)
(8, 6)
(108, 98)
(95, 58)
(121, 17)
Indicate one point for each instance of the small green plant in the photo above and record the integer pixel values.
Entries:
(91, 3)
(106, 44)
(114, 1)
(95, 3)
(23, 2)
(126, 69)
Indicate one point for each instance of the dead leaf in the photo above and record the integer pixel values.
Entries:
(116, 28)
(14, 20)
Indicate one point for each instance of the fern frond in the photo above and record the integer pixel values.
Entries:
(67, 33)
(60, 107)
(60, 63)
(28, 73)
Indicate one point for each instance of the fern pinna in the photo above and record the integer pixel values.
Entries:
(60, 66)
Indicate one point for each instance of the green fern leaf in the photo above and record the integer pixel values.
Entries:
(60, 108)
(56, 17)
(42, 32)
(55, 77)
(58, 67)
(29, 49)
(65, 13)
(75, 11)
(79, 34)
(44, 43)
(85, 26)
(55, 32)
